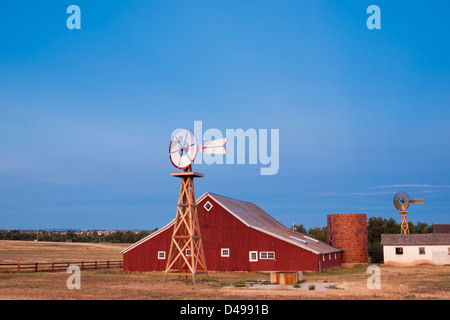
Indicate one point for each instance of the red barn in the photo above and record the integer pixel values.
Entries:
(237, 236)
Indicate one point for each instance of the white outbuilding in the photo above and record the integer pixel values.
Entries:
(413, 249)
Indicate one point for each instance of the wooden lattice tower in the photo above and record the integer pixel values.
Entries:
(186, 254)
(404, 224)
(186, 248)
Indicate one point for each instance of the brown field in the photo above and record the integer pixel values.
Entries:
(418, 282)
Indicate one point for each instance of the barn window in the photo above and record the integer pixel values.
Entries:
(225, 252)
(267, 255)
(161, 255)
(188, 252)
(208, 206)
(399, 250)
(253, 256)
(421, 250)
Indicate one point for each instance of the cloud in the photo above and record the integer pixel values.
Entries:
(344, 194)
(320, 194)
(369, 193)
(411, 186)
(12, 165)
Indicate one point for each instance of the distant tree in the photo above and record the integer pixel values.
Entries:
(375, 227)
(70, 235)
(375, 252)
(300, 228)
(391, 226)
(423, 227)
(318, 233)
(412, 227)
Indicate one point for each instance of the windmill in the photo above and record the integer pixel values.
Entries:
(401, 202)
(186, 248)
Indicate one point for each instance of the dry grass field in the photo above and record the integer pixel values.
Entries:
(405, 283)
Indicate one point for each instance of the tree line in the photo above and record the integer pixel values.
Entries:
(71, 236)
(376, 226)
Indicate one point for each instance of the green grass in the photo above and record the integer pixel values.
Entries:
(239, 284)
(335, 287)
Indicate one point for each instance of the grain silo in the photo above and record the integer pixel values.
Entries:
(348, 232)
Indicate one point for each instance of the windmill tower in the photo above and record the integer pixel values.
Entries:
(401, 202)
(186, 253)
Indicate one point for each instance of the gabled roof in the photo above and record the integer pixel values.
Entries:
(417, 239)
(254, 217)
(151, 235)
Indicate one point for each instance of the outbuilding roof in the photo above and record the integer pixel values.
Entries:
(415, 239)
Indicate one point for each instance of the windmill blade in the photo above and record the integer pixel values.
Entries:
(417, 200)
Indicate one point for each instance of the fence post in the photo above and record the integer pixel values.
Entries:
(53, 266)
(82, 265)
(36, 267)
(18, 267)
(95, 265)
(107, 264)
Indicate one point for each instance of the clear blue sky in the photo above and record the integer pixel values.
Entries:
(86, 115)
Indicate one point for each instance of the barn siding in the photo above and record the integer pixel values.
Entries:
(220, 229)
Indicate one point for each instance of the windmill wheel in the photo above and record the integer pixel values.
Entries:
(401, 201)
(183, 148)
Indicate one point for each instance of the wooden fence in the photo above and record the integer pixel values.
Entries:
(59, 266)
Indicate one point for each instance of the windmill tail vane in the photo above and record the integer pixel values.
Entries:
(214, 147)
(417, 201)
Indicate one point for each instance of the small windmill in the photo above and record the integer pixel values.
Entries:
(401, 202)
(186, 248)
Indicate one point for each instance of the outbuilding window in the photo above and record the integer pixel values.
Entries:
(399, 250)
(421, 250)
(161, 255)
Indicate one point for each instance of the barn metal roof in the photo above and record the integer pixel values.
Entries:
(254, 217)
(416, 239)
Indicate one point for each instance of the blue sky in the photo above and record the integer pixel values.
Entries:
(86, 115)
